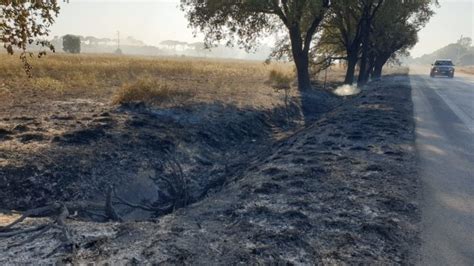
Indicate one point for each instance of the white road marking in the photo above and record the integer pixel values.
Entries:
(464, 79)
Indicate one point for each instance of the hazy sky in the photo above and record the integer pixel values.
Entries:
(153, 21)
(453, 19)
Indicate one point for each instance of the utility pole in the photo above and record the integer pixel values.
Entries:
(118, 39)
(118, 51)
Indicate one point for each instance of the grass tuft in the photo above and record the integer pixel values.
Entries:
(280, 79)
(47, 83)
(149, 90)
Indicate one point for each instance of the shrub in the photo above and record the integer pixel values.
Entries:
(148, 90)
(49, 84)
(280, 79)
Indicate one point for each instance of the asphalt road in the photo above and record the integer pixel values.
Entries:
(444, 115)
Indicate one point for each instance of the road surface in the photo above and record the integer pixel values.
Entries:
(444, 116)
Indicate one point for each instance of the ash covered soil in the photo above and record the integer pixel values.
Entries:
(342, 188)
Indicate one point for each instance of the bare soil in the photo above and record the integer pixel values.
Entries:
(336, 186)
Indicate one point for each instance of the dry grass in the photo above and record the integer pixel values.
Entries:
(150, 91)
(281, 79)
(155, 80)
(6, 219)
(466, 69)
(115, 78)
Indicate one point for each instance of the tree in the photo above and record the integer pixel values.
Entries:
(71, 44)
(465, 42)
(104, 41)
(172, 44)
(23, 23)
(130, 40)
(395, 30)
(91, 40)
(372, 32)
(369, 10)
(199, 48)
(348, 28)
(245, 21)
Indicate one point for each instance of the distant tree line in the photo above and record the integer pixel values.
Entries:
(461, 52)
(132, 46)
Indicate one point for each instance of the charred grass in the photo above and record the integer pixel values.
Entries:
(85, 122)
(82, 122)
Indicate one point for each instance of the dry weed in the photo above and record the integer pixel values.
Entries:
(124, 78)
(47, 83)
(467, 69)
(149, 90)
(280, 79)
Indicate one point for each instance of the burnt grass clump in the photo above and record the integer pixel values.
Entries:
(135, 147)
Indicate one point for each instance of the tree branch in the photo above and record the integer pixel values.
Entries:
(279, 12)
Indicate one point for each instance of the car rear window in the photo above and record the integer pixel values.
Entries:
(443, 63)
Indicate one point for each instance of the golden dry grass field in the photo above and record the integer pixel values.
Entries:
(157, 80)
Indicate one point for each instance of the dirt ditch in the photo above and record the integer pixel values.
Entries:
(75, 149)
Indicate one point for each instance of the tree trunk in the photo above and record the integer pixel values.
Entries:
(351, 64)
(377, 71)
(378, 65)
(370, 71)
(363, 71)
(302, 69)
(301, 58)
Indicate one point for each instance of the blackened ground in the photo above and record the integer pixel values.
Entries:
(74, 149)
(341, 190)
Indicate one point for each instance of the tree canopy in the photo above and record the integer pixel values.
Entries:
(23, 23)
(395, 30)
(244, 22)
(372, 31)
(71, 44)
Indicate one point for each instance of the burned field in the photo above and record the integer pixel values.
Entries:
(202, 175)
(154, 144)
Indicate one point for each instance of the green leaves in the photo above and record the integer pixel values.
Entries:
(240, 22)
(244, 21)
(23, 23)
